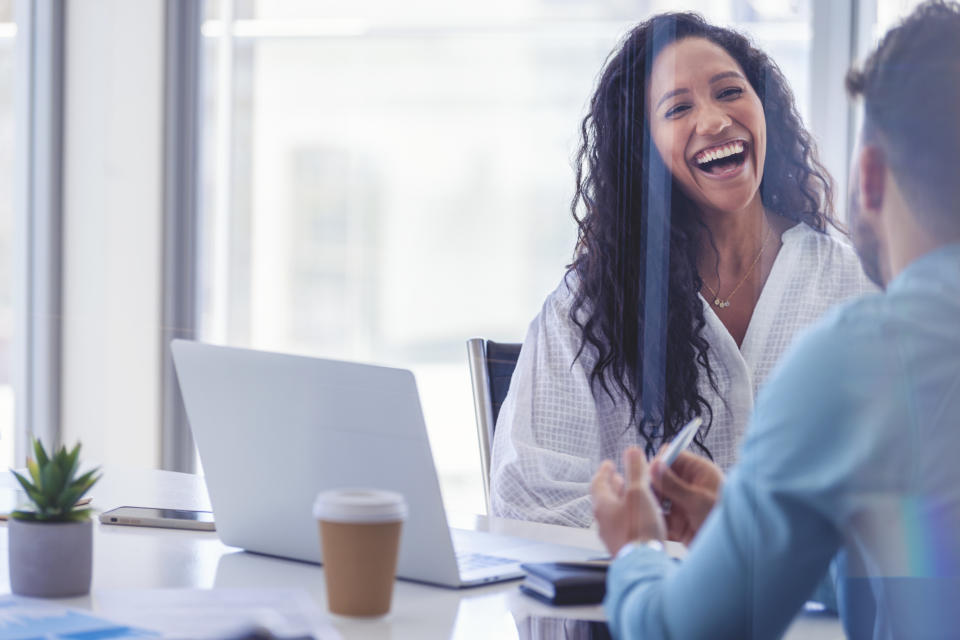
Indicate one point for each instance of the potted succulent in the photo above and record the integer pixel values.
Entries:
(51, 546)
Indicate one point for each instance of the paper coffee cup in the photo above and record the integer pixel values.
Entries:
(360, 538)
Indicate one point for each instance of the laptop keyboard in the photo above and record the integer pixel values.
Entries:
(467, 561)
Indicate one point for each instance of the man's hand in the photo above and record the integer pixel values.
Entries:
(626, 510)
(692, 485)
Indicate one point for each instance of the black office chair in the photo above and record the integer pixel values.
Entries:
(491, 368)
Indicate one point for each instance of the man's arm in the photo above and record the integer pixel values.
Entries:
(755, 562)
(769, 541)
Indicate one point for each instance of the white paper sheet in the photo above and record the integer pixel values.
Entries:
(216, 613)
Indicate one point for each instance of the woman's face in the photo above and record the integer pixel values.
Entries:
(707, 123)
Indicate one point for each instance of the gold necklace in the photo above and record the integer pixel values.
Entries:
(723, 304)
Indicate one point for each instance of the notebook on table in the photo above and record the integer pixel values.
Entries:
(560, 583)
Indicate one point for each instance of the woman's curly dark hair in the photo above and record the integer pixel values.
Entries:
(632, 214)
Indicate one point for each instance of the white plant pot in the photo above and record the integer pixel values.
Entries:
(50, 559)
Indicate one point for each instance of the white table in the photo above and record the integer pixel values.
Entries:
(135, 557)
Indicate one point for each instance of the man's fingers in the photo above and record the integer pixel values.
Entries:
(635, 467)
(688, 464)
(669, 485)
(676, 527)
(600, 486)
(616, 483)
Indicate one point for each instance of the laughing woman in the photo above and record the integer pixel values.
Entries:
(751, 263)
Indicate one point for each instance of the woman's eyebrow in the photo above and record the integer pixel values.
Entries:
(670, 94)
(725, 74)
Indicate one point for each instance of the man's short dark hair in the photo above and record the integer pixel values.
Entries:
(911, 90)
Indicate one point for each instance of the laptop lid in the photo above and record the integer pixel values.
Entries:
(273, 430)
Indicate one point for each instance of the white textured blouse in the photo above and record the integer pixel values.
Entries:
(553, 432)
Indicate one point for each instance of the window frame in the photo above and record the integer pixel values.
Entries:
(38, 223)
(180, 254)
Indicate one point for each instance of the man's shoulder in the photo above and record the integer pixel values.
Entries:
(812, 397)
(858, 317)
(850, 326)
(844, 346)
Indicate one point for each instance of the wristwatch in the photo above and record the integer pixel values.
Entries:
(656, 545)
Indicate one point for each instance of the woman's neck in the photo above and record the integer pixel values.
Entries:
(737, 238)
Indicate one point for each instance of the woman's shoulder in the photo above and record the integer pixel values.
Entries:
(830, 246)
(563, 297)
(561, 314)
(827, 253)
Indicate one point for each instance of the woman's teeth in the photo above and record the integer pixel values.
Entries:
(721, 152)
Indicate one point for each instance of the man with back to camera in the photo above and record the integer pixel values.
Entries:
(853, 446)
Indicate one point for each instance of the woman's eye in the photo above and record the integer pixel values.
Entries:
(730, 92)
(673, 112)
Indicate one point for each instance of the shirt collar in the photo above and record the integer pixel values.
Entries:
(940, 265)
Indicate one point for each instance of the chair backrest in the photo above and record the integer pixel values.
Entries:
(491, 368)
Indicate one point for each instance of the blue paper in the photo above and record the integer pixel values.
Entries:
(24, 619)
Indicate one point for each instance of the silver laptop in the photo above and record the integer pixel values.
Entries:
(273, 430)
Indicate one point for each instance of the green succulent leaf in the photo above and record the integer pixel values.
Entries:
(30, 490)
(87, 480)
(34, 471)
(26, 484)
(40, 452)
(71, 462)
(52, 482)
(77, 490)
(78, 515)
(69, 498)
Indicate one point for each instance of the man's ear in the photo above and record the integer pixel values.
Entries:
(873, 169)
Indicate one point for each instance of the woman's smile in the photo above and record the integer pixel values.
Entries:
(723, 161)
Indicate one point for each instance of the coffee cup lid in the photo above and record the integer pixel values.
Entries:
(360, 505)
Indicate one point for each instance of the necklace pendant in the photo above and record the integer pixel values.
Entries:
(726, 303)
(716, 301)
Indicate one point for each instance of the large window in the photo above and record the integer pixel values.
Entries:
(8, 33)
(383, 180)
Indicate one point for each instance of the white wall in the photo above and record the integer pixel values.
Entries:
(112, 229)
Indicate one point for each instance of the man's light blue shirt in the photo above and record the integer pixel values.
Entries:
(853, 452)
